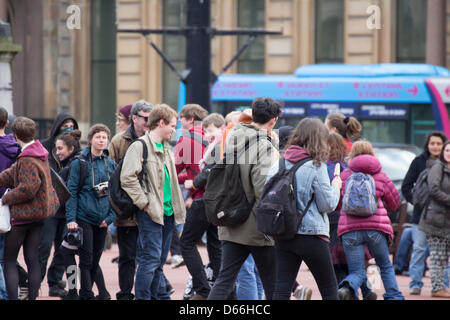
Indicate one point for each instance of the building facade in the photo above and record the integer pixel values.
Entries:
(63, 69)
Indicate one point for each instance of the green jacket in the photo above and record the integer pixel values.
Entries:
(255, 165)
(132, 166)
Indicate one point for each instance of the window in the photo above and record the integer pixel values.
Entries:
(174, 47)
(251, 16)
(422, 122)
(329, 42)
(411, 30)
(389, 131)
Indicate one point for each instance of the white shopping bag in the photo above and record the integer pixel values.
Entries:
(5, 217)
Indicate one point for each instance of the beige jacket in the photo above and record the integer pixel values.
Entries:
(132, 166)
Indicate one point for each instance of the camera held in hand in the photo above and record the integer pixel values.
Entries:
(101, 190)
(74, 238)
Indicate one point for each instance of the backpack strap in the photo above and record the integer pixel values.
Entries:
(143, 175)
(195, 136)
(83, 171)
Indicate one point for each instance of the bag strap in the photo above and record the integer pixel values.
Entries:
(143, 175)
(194, 136)
(247, 146)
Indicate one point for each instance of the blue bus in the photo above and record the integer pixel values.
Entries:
(395, 103)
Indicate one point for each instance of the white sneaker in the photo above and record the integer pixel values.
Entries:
(176, 261)
(302, 293)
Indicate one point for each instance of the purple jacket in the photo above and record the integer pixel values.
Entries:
(387, 194)
(9, 150)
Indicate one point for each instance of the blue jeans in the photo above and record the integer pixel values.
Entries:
(249, 285)
(418, 257)
(3, 292)
(353, 243)
(404, 247)
(153, 246)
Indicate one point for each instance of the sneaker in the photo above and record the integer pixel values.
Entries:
(176, 261)
(372, 295)
(345, 293)
(170, 289)
(56, 291)
(302, 293)
(23, 293)
(188, 291)
(414, 291)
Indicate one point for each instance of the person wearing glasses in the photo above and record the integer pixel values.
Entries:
(123, 118)
(127, 231)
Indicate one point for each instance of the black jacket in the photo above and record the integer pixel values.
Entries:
(49, 143)
(201, 179)
(417, 166)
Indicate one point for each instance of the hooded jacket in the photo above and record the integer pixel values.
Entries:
(311, 179)
(416, 167)
(255, 164)
(387, 195)
(435, 220)
(49, 143)
(32, 196)
(188, 153)
(9, 151)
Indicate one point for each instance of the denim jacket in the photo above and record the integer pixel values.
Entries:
(312, 179)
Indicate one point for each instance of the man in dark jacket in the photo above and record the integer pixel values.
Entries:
(64, 122)
(54, 226)
(432, 149)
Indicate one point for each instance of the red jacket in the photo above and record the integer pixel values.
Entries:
(387, 194)
(188, 153)
(32, 196)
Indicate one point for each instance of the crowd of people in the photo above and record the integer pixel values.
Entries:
(171, 218)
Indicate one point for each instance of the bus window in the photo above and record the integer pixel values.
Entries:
(422, 122)
(389, 131)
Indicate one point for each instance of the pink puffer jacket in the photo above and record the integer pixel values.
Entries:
(387, 194)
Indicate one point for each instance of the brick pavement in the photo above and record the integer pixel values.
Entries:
(178, 278)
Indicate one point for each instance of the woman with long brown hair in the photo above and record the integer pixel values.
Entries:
(309, 141)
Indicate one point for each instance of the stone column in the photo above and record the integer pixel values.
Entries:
(7, 52)
(436, 32)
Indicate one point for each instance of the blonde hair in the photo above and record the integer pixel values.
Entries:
(361, 147)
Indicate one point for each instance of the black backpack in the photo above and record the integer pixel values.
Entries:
(225, 201)
(276, 212)
(119, 199)
(420, 191)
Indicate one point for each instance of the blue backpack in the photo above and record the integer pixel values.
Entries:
(360, 195)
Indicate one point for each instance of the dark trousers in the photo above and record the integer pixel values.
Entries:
(233, 256)
(127, 242)
(196, 224)
(52, 232)
(175, 246)
(90, 253)
(315, 252)
(26, 236)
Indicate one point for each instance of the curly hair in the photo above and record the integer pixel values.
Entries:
(338, 147)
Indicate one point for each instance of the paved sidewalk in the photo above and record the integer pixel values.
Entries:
(178, 278)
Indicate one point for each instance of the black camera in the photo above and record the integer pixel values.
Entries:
(101, 190)
(74, 238)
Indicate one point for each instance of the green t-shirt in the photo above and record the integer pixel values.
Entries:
(168, 210)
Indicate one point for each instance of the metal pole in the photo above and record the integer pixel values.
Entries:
(103, 62)
(198, 53)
